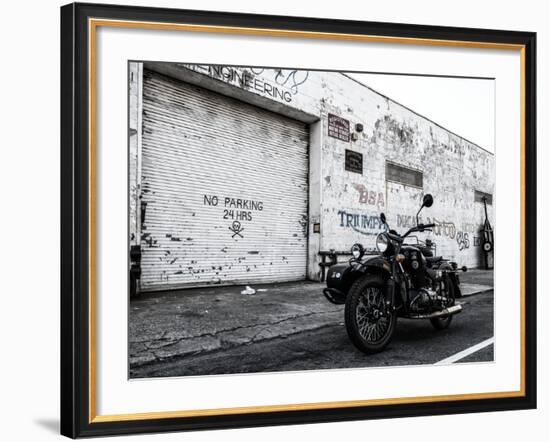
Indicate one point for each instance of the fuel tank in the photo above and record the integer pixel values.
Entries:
(414, 258)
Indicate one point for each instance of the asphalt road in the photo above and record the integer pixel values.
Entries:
(415, 342)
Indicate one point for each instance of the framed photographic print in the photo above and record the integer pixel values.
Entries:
(279, 220)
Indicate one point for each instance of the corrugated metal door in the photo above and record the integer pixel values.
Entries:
(224, 189)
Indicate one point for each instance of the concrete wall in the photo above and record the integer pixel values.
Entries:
(347, 204)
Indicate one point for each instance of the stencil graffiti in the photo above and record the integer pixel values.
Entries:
(369, 197)
(362, 223)
(236, 229)
(235, 209)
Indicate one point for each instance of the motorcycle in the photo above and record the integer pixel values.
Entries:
(401, 280)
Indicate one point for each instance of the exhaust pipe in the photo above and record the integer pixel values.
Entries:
(453, 310)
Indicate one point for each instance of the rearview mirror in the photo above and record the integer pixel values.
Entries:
(383, 218)
(428, 200)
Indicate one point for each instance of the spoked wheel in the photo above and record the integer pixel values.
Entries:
(370, 320)
(448, 291)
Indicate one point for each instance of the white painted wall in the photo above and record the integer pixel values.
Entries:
(348, 204)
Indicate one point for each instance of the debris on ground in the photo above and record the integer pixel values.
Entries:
(248, 291)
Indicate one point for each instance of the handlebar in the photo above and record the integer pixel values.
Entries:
(418, 228)
(393, 237)
(400, 238)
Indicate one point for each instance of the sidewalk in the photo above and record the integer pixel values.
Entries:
(476, 281)
(178, 323)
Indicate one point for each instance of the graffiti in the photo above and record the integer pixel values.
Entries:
(294, 79)
(369, 197)
(406, 221)
(463, 240)
(236, 229)
(284, 77)
(276, 83)
(443, 228)
(469, 227)
(364, 224)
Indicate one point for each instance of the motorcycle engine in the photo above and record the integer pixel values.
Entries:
(422, 299)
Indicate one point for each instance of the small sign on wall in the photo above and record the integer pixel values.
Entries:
(354, 161)
(338, 127)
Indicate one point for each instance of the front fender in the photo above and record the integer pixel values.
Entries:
(342, 276)
(375, 263)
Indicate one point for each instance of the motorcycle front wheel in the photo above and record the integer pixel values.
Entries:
(370, 319)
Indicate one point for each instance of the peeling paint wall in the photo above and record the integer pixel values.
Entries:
(135, 71)
(452, 169)
(347, 192)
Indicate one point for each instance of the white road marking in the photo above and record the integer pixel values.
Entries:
(462, 354)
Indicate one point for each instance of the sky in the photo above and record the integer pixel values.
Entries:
(462, 105)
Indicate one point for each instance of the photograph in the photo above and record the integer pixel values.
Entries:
(276, 219)
(284, 219)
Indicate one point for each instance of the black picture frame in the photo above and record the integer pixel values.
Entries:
(77, 420)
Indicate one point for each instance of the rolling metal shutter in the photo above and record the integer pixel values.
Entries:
(224, 189)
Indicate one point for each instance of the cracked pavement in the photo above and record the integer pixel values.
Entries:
(185, 322)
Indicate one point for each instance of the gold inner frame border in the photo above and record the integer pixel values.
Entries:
(93, 24)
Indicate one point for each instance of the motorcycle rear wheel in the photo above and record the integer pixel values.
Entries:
(370, 320)
(444, 322)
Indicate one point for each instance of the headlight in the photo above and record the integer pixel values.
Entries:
(382, 242)
(357, 250)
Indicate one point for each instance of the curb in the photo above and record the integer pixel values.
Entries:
(480, 292)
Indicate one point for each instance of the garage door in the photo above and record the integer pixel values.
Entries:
(224, 189)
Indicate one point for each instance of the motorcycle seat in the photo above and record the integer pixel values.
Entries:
(434, 259)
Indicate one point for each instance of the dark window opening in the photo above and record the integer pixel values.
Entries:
(354, 161)
(404, 175)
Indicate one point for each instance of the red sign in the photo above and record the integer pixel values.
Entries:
(338, 127)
